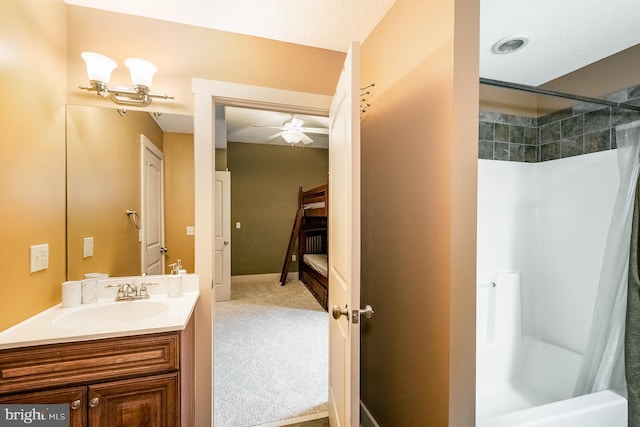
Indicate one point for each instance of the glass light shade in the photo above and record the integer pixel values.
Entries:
(142, 71)
(99, 67)
(291, 137)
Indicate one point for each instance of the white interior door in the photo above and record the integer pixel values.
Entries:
(152, 233)
(344, 246)
(222, 233)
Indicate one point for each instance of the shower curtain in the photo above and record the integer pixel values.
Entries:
(632, 327)
(603, 362)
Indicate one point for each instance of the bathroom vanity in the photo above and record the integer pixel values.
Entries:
(109, 375)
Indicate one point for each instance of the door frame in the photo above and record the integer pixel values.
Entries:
(208, 93)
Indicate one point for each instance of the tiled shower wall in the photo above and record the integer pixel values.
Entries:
(582, 129)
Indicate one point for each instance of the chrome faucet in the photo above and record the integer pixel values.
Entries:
(130, 292)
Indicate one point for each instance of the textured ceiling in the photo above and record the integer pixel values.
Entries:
(328, 24)
(564, 35)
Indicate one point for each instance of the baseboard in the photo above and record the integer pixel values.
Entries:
(292, 421)
(366, 419)
(267, 277)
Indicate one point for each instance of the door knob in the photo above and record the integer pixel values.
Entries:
(94, 402)
(75, 404)
(367, 312)
(163, 250)
(336, 311)
(226, 242)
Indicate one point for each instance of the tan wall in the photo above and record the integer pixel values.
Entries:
(508, 101)
(179, 192)
(182, 52)
(103, 182)
(608, 75)
(264, 197)
(44, 39)
(32, 207)
(616, 72)
(419, 157)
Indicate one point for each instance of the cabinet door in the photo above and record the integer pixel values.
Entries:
(142, 402)
(75, 397)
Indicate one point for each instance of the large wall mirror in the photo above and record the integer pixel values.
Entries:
(104, 183)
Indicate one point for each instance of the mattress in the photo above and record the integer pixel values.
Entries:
(316, 261)
(315, 205)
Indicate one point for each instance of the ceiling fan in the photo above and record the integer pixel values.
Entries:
(293, 132)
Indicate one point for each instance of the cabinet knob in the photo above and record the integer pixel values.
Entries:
(75, 404)
(94, 402)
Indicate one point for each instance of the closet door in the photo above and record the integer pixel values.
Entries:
(222, 232)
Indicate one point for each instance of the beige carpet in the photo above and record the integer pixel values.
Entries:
(271, 355)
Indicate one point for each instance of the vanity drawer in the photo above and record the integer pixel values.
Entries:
(32, 368)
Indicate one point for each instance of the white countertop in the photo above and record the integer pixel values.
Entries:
(46, 327)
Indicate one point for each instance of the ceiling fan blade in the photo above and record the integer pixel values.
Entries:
(305, 139)
(322, 131)
(268, 127)
(273, 137)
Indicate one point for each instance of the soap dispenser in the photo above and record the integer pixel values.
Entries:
(174, 268)
(179, 268)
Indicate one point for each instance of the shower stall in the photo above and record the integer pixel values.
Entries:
(550, 236)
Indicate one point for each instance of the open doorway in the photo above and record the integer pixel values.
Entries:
(270, 341)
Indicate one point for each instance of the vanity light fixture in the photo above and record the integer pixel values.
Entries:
(99, 68)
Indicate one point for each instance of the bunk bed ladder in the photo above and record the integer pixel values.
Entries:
(293, 240)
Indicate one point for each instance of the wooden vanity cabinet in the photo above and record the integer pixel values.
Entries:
(76, 397)
(144, 380)
(151, 401)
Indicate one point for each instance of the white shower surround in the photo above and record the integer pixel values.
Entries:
(549, 223)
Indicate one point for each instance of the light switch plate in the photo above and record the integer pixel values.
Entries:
(38, 257)
(87, 250)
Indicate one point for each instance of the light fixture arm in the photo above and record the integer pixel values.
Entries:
(125, 95)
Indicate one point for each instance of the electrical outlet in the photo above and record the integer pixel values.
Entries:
(191, 230)
(293, 257)
(87, 247)
(38, 257)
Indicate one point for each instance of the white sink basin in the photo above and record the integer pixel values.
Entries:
(116, 314)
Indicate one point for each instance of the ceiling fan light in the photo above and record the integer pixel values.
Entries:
(291, 137)
(142, 71)
(99, 67)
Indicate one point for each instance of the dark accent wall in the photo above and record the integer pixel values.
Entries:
(581, 129)
(264, 197)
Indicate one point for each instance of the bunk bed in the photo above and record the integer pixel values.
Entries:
(309, 235)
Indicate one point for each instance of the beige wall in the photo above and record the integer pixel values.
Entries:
(264, 198)
(179, 199)
(103, 182)
(32, 205)
(42, 41)
(182, 52)
(419, 157)
(608, 75)
(616, 72)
